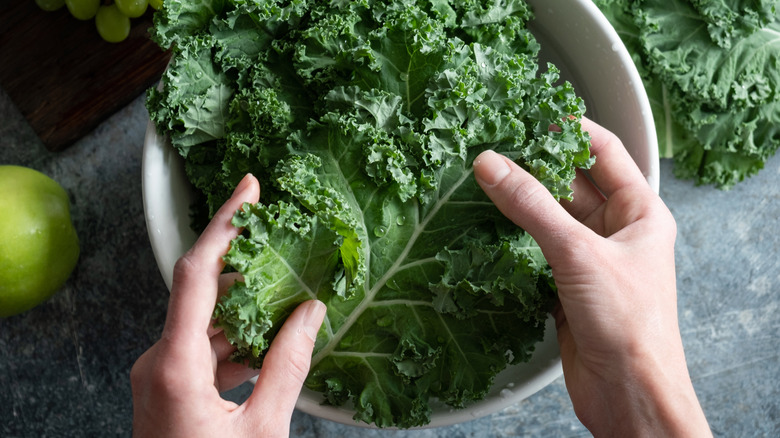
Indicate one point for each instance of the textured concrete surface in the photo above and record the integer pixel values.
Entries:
(64, 366)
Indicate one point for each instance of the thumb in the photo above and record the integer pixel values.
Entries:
(525, 201)
(287, 362)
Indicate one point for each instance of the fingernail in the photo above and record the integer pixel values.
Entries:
(243, 184)
(312, 319)
(490, 168)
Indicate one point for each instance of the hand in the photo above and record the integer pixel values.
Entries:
(611, 251)
(176, 383)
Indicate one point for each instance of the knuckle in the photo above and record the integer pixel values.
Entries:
(185, 265)
(153, 376)
(162, 364)
(138, 374)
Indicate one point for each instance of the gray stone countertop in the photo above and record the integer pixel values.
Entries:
(64, 366)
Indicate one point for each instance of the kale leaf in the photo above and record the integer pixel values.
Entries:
(712, 72)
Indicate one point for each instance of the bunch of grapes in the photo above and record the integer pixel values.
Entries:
(112, 18)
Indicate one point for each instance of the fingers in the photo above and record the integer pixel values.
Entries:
(586, 197)
(614, 168)
(221, 346)
(196, 274)
(231, 374)
(225, 281)
(525, 201)
(228, 374)
(287, 362)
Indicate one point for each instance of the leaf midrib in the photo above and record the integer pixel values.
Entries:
(370, 294)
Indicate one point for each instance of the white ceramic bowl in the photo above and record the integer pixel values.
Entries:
(581, 42)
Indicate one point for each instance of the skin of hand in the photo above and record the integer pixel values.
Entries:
(176, 384)
(611, 251)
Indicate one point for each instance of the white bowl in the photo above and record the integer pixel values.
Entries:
(581, 42)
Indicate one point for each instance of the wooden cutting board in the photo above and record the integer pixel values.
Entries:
(63, 77)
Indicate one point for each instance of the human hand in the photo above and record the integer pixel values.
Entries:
(176, 383)
(611, 251)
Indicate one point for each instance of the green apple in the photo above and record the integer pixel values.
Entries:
(50, 5)
(38, 244)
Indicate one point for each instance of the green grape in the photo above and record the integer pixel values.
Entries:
(50, 5)
(83, 9)
(132, 8)
(112, 25)
(156, 4)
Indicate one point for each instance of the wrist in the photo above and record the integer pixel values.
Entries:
(657, 399)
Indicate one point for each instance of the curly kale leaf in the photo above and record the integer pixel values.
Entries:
(712, 71)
